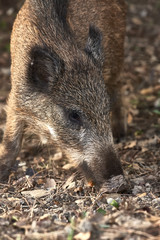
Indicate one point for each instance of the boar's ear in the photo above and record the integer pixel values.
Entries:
(94, 44)
(46, 67)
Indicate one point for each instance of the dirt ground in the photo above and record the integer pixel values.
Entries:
(44, 200)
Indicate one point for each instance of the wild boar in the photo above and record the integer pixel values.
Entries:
(66, 57)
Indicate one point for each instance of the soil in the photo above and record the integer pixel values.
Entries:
(46, 199)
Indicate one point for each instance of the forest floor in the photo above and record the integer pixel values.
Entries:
(44, 200)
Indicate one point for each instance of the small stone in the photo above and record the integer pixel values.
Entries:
(10, 11)
(139, 181)
(148, 187)
(156, 202)
(144, 13)
(109, 200)
(118, 200)
(85, 226)
(136, 190)
(5, 71)
(55, 217)
(157, 103)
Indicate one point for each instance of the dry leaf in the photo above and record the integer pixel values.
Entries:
(157, 68)
(130, 118)
(48, 235)
(36, 193)
(140, 69)
(150, 90)
(82, 236)
(68, 166)
(57, 156)
(141, 195)
(70, 183)
(131, 144)
(136, 21)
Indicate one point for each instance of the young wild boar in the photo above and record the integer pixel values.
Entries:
(61, 82)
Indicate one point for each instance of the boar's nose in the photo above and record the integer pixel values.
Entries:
(105, 170)
(110, 163)
(111, 172)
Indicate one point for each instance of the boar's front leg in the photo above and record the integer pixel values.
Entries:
(119, 115)
(11, 143)
(119, 118)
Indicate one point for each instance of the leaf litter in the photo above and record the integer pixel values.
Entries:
(47, 199)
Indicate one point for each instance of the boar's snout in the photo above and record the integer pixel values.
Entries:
(109, 163)
(105, 170)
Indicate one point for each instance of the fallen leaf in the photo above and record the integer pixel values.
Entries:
(70, 183)
(47, 235)
(157, 68)
(141, 195)
(82, 236)
(101, 211)
(57, 156)
(140, 69)
(36, 193)
(131, 144)
(130, 118)
(150, 90)
(68, 166)
(136, 21)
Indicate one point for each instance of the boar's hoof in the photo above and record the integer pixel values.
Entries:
(114, 184)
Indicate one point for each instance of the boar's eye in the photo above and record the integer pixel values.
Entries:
(75, 117)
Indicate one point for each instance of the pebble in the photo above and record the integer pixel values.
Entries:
(157, 103)
(118, 200)
(144, 13)
(139, 180)
(85, 226)
(148, 187)
(156, 202)
(55, 217)
(5, 71)
(109, 200)
(10, 11)
(137, 189)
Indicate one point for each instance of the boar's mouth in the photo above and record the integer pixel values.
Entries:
(115, 184)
